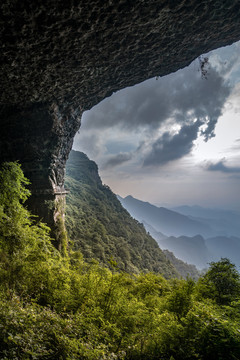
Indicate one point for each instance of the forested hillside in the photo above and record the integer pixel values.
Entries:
(102, 229)
(55, 306)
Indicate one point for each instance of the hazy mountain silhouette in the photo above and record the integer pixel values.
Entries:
(199, 251)
(222, 246)
(193, 239)
(168, 222)
(222, 222)
(189, 249)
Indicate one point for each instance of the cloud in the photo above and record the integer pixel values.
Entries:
(226, 61)
(181, 96)
(181, 100)
(117, 160)
(91, 143)
(234, 98)
(221, 167)
(172, 147)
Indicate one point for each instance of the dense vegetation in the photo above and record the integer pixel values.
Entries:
(102, 229)
(55, 307)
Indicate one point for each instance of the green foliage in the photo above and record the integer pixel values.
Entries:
(221, 282)
(180, 300)
(62, 236)
(27, 258)
(55, 307)
(12, 214)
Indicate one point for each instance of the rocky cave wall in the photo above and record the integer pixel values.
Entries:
(59, 58)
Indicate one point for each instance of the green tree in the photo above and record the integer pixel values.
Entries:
(221, 282)
(28, 260)
(13, 215)
(180, 300)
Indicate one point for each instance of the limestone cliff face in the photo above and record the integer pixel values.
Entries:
(59, 58)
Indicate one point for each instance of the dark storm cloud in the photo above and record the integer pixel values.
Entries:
(220, 166)
(172, 147)
(156, 105)
(116, 160)
(181, 96)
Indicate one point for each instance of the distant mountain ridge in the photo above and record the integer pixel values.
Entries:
(200, 248)
(190, 249)
(199, 251)
(168, 222)
(222, 222)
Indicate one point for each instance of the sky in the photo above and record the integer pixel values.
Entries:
(172, 140)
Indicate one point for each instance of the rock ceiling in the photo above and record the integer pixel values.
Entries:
(82, 51)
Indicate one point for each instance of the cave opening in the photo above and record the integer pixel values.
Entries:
(173, 143)
(166, 133)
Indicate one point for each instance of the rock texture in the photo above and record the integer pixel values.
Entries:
(40, 137)
(83, 51)
(59, 58)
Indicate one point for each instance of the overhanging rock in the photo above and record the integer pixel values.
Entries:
(59, 58)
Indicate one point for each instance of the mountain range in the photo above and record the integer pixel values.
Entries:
(194, 234)
(166, 221)
(102, 230)
(221, 222)
(133, 232)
